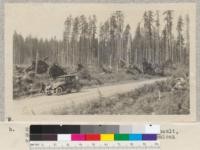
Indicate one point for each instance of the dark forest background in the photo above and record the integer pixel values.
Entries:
(153, 42)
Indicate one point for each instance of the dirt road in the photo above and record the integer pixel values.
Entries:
(50, 104)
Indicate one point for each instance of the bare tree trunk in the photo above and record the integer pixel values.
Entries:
(36, 61)
(128, 49)
(187, 39)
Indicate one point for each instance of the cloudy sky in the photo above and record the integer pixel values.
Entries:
(44, 20)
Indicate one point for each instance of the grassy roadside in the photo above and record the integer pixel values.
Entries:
(154, 101)
(161, 98)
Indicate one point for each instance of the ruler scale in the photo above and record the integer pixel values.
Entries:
(96, 137)
(96, 145)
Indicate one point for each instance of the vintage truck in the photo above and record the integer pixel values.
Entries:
(64, 84)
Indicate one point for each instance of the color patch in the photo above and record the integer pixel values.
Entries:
(121, 137)
(78, 137)
(64, 137)
(49, 137)
(35, 137)
(135, 137)
(152, 129)
(107, 137)
(92, 137)
(125, 129)
(149, 137)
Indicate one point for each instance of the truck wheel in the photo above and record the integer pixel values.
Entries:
(59, 90)
(48, 93)
(78, 88)
(69, 90)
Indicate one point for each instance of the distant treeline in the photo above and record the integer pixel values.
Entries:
(113, 45)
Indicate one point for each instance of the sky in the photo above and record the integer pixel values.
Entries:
(46, 20)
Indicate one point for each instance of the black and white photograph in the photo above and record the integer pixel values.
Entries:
(100, 59)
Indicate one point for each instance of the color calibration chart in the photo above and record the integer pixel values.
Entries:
(94, 137)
